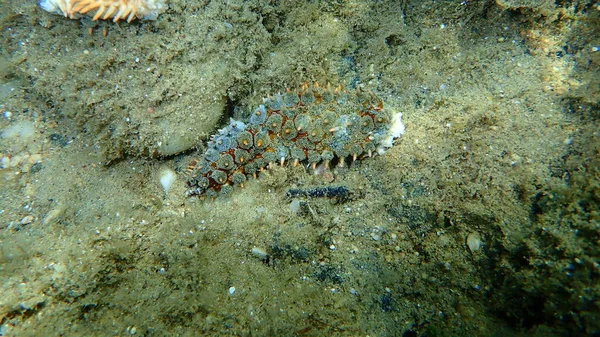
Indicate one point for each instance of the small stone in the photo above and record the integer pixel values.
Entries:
(27, 220)
(53, 215)
(231, 290)
(260, 253)
(295, 206)
(474, 242)
(167, 178)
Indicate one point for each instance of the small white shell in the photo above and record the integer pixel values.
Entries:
(167, 178)
(260, 253)
(474, 242)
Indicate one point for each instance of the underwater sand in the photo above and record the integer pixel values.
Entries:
(482, 220)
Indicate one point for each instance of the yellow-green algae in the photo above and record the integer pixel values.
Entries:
(500, 100)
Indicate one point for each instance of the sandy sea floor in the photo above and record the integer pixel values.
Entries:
(482, 220)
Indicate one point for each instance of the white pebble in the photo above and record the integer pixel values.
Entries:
(23, 130)
(260, 253)
(295, 206)
(27, 220)
(231, 290)
(474, 242)
(167, 178)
